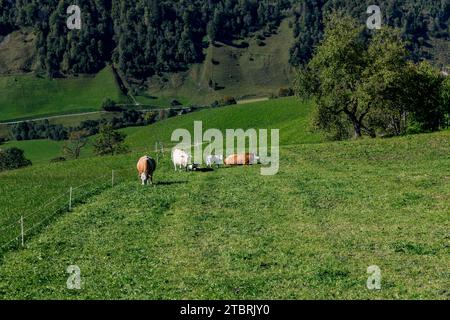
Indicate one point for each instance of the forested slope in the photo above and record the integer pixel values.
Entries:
(419, 20)
(147, 37)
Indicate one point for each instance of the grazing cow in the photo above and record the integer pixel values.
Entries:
(214, 160)
(146, 167)
(241, 159)
(180, 159)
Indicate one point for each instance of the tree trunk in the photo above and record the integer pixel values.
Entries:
(356, 124)
(357, 127)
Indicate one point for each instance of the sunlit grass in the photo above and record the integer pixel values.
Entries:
(309, 232)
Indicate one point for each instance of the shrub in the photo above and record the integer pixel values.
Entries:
(227, 101)
(285, 92)
(31, 130)
(57, 159)
(110, 142)
(260, 43)
(13, 158)
(260, 37)
(110, 105)
(175, 103)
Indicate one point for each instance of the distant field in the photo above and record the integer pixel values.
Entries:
(28, 96)
(292, 117)
(309, 232)
(253, 71)
(42, 151)
(38, 151)
(287, 114)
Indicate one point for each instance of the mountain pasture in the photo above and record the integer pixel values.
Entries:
(28, 96)
(309, 232)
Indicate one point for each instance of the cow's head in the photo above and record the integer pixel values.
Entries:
(144, 177)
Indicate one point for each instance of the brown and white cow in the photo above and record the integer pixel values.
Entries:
(241, 159)
(146, 166)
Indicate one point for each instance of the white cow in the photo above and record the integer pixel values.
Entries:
(180, 159)
(255, 159)
(214, 160)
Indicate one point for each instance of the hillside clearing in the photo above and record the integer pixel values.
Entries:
(29, 96)
(242, 71)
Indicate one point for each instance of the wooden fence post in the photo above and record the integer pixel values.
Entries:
(21, 231)
(70, 198)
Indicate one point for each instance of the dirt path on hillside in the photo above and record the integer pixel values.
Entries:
(55, 117)
(252, 100)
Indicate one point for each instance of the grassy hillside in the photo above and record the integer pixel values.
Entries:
(288, 114)
(309, 232)
(255, 70)
(38, 151)
(28, 96)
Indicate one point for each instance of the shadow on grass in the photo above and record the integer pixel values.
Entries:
(169, 183)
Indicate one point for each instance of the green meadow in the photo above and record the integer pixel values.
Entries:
(30, 96)
(38, 151)
(309, 232)
(287, 114)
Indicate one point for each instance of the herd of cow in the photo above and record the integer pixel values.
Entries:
(146, 165)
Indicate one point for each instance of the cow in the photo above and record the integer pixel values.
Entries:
(241, 159)
(146, 166)
(180, 159)
(214, 160)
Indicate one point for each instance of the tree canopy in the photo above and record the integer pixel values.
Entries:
(363, 83)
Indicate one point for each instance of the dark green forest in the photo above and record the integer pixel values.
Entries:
(418, 20)
(147, 37)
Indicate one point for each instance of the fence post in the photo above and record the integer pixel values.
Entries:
(21, 231)
(112, 179)
(70, 198)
